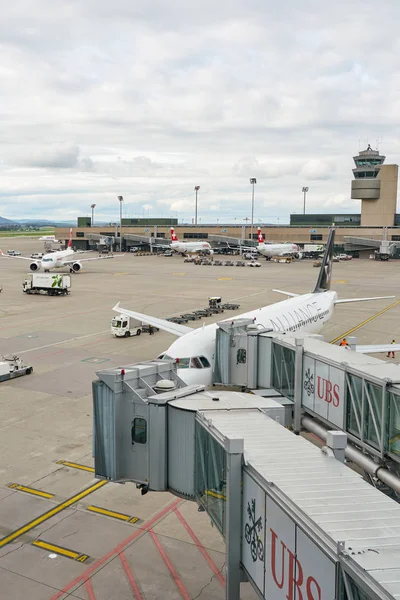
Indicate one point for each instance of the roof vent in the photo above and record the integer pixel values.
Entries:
(164, 385)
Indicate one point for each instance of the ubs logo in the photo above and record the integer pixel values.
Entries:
(309, 382)
(288, 573)
(328, 392)
(251, 531)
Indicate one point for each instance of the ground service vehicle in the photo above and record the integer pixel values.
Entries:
(12, 366)
(122, 326)
(45, 283)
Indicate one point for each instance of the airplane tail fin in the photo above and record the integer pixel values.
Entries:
(174, 237)
(70, 239)
(324, 278)
(261, 239)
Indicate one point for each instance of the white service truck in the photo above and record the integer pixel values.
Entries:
(58, 284)
(123, 326)
(12, 366)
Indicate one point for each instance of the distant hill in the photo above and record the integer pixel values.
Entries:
(4, 221)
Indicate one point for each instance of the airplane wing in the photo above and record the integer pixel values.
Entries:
(71, 261)
(174, 328)
(286, 293)
(20, 257)
(375, 348)
(345, 300)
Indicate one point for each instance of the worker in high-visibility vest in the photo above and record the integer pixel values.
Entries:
(391, 352)
(344, 343)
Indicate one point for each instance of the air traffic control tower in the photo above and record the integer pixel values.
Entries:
(375, 184)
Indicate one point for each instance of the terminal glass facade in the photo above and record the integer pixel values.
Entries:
(210, 476)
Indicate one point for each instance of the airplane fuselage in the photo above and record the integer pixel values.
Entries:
(55, 260)
(190, 247)
(303, 314)
(270, 250)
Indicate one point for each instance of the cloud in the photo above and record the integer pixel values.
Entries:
(150, 99)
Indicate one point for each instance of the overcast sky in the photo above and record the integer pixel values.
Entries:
(149, 99)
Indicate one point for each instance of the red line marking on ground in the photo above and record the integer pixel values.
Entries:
(172, 570)
(131, 578)
(117, 550)
(89, 590)
(200, 546)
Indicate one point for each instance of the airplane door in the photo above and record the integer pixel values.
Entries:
(140, 430)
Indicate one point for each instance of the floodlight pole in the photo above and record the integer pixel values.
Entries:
(253, 181)
(304, 190)
(121, 199)
(196, 189)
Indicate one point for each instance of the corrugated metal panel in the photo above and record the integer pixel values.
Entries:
(181, 445)
(332, 495)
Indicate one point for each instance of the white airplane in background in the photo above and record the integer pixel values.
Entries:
(189, 247)
(270, 250)
(306, 313)
(48, 238)
(58, 260)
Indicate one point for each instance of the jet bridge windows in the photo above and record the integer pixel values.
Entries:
(364, 410)
(210, 476)
(394, 424)
(139, 431)
(283, 370)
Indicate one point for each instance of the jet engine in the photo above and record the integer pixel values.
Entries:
(34, 266)
(76, 266)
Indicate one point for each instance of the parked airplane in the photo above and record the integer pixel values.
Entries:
(59, 259)
(48, 238)
(189, 247)
(306, 313)
(270, 250)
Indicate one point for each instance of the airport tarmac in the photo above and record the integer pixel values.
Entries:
(64, 533)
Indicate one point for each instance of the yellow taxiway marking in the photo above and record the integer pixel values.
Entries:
(121, 274)
(112, 513)
(340, 281)
(60, 550)
(50, 513)
(179, 274)
(73, 465)
(215, 495)
(224, 278)
(29, 490)
(378, 314)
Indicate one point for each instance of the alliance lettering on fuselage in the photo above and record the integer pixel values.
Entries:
(300, 317)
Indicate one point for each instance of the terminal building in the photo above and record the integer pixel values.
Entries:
(374, 184)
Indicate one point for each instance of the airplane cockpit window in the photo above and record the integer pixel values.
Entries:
(165, 357)
(47, 259)
(195, 363)
(204, 362)
(183, 363)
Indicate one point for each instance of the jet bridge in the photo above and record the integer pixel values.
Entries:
(298, 524)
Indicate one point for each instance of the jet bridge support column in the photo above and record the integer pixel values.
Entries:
(298, 384)
(234, 452)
